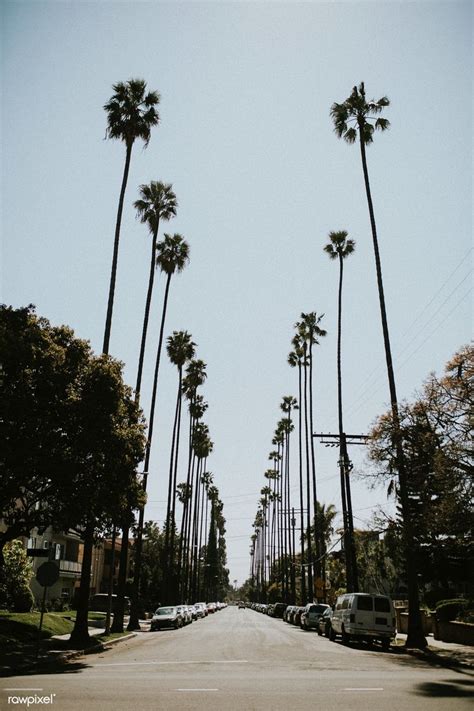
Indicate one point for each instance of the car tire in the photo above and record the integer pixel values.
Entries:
(385, 644)
(332, 635)
(320, 634)
(345, 637)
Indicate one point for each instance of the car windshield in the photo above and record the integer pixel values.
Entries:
(317, 608)
(165, 611)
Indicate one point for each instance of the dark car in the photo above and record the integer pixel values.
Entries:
(278, 609)
(324, 623)
(99, 603)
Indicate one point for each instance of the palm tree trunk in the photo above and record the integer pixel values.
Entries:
(168, 519)
(146, 315)
(184, 520)
(300, 462)
(342, 449)
(113, 273)
(310, 591)
(173, 499)
(134, 619)
(415, 636)
(317, 562)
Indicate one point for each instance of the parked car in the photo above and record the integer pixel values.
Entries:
(204, 607)
(296, 617)
(364, 616)
(311, 615)
(166, 618)
(324, 623)
(211, 607)
(241, 605)
(290, 609)
(200, 608)
(278, 609)
(185, 614)
(99, 602)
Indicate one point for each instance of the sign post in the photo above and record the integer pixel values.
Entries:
(47, 574)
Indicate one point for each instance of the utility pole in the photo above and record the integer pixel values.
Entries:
(345, 466)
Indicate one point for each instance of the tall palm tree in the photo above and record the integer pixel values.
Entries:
(295, 359)
(358, 118)
(288, 404)
(309, 331)
(180, 349)
(157, 202)
(172, 257)
(131, 114)
(340, 247)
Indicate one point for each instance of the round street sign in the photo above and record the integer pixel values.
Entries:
(47, 574)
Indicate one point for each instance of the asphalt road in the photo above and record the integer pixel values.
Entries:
(241, 660)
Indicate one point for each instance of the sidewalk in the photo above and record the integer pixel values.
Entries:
(443, 653)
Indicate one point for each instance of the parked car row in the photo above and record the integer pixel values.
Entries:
(176, 616)
(355, 616)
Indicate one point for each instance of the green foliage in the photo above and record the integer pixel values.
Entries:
(435, 434)
(15, 593)
(72, 435)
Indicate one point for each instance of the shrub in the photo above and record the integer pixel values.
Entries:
(22, 600)
(447, 610)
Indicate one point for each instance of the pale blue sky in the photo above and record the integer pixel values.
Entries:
(246, 140)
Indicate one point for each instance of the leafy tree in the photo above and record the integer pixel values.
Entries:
(434, 433)
(15, 593)
(41, 371)
(131, 114)
(357, 117)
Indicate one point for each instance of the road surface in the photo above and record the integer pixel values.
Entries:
(241, 660)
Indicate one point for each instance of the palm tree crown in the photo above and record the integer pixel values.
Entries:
(173, 254)
(131, 112)
(157, 202)
(339, 245)
(357, 109)
(180, 348)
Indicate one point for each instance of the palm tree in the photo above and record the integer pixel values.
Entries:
(308, 331)
(172, 257)
(339, 247)
(131, 114)
(180, 349)
(323, 523)
(157, 202)
(295, 359)
(288, 404)
(364, 117)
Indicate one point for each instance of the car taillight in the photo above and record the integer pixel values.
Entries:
(352, 618)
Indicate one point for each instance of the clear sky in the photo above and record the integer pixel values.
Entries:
(246, 140)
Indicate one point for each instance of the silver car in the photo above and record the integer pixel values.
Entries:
(166, 618)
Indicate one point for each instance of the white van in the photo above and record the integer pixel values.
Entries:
(363, 616)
